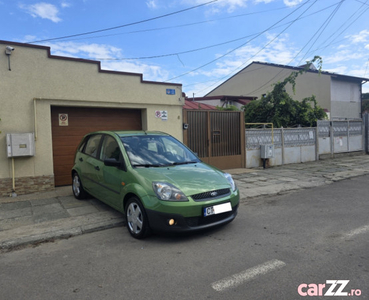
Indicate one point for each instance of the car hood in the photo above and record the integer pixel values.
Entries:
(190, 179)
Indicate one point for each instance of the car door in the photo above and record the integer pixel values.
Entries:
(112, 177)
(91, 165)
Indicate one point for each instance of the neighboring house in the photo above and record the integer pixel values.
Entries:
(60, 99)
(224, 101)
(339, 95)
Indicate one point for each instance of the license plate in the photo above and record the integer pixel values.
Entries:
(217, 209)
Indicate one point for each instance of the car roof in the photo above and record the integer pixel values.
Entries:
(122, 133)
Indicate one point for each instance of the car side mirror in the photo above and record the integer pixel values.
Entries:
(111, 162)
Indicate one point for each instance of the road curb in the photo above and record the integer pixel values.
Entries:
(36, 234)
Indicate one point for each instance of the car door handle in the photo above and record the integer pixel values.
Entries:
(80, 159)
(97, 168)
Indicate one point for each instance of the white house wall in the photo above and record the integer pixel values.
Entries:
(346, 99)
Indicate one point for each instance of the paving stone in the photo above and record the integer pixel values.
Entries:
(71, 202)
(38, 202)
(50, 208)
(50, 216)
(7, 224)
(83, 210)
(15, 213)
(287, 179)
(14, 205)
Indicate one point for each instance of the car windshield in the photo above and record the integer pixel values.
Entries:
(156, 151)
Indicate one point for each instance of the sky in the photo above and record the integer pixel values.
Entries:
(197, 43)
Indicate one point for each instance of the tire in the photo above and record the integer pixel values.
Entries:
(77, 187)
(137, 222)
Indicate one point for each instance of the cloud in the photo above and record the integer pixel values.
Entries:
(291, 2)
(263, 1)
(279, 51)
(84, 50)
(65, 4)
(221, 5)
(152, 4)
(149, 72)
(102, 52)
(42, 10)
(361, 37)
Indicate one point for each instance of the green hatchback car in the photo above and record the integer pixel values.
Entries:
(154, 180)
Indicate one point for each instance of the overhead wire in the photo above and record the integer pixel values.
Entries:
(343, 30)
(330, 18)
(274, 37)
(209, 46)
(273, 79)
(178, 26)
(320, 31)
(126, 25)
(238, 47)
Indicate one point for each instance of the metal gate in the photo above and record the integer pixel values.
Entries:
(218, 137)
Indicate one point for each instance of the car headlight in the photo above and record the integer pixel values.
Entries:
(230, 180)
(168, 192)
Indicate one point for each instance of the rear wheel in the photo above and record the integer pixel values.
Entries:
(77, 187)
(137, 222)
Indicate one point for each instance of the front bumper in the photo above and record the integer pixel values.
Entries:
(159, 221)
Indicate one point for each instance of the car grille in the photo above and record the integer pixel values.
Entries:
(211, 195)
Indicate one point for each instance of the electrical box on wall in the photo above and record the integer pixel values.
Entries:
(20, 144)
(267, 151)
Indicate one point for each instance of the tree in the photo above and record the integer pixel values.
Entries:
(228, 108)
(279, 108)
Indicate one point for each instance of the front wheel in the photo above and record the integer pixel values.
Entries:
(137, 222)
(78, 190)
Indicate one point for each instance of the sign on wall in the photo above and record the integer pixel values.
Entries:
(171, 91)
(162, 114)
(63, 119)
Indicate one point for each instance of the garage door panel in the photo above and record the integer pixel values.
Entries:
(65, 141)
(63, 180)
(88, 122)
(82, 120)
(65, 152)
(60, 167)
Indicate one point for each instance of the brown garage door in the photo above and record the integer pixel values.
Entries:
(66, 135)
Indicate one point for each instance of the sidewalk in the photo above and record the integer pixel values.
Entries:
(40, 217)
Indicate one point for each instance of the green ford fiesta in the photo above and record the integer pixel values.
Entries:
(156, 181)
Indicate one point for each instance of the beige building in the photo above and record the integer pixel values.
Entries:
(339, 95)
(57, 100)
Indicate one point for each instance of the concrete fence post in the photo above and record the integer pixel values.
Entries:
(317, 142)
(282, 142)
(366, 132)
(348, 136)
(331, 134)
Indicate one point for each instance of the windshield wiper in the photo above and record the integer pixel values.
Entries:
(147, 166)
(183, 163)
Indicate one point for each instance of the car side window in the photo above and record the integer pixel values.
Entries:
(110, 149)
(82, 145)
(92, 145)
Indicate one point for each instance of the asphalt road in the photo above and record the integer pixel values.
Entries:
(304, 243)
